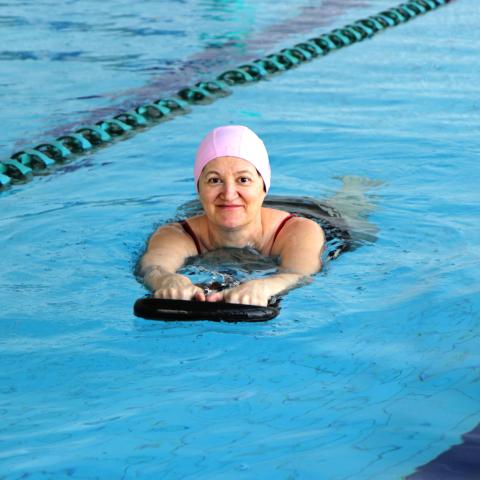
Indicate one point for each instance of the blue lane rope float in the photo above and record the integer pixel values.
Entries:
(22, 165)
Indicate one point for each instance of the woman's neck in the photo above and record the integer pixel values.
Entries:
(250, 235)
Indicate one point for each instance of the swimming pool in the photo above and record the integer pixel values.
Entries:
(369, 372)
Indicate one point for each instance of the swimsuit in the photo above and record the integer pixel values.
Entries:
(282, 224)
(188, 230)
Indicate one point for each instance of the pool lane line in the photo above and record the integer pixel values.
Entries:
(23, 164)
(459, 462)
(213, 58)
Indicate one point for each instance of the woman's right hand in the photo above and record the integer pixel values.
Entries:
(177, 287)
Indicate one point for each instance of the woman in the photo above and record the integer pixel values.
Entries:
(232, 177)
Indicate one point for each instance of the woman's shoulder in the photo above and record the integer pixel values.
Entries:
(273, 218)
(179, 229)
(196, 221)
(286, 224)
(181, 234)
(273, 215)
(179, 225)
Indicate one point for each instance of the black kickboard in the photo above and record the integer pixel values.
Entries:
(188, 310)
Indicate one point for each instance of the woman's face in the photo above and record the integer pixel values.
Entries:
(231, 192)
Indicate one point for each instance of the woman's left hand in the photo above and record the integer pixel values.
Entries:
(253, 292)
(256, 292)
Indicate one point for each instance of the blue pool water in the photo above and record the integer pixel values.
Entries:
(369, 372)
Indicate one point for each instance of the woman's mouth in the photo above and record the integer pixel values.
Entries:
(229, 206)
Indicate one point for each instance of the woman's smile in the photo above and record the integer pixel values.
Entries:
(229, 206)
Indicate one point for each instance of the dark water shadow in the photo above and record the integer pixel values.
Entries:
(459, 462)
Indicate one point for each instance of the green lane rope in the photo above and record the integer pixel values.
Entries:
(37, 160)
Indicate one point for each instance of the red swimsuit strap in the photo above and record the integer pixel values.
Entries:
(279, 228)
(188, 230)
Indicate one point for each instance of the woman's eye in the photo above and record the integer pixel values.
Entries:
(244, 179)
(213, 180)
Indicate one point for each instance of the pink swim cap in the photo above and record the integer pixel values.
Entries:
(233, 141)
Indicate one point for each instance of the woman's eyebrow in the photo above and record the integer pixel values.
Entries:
(239, 172)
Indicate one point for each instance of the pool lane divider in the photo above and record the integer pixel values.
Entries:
(38, 160)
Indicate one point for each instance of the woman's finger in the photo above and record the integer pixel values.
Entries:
(199, 294)
(183, 293)
(216, 296)
(246, 297)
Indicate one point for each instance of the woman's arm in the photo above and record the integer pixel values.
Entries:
(168, 248)
(299, 245)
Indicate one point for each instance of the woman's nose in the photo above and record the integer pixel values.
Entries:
(229, 190)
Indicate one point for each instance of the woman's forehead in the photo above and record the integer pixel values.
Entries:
(229, 164)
